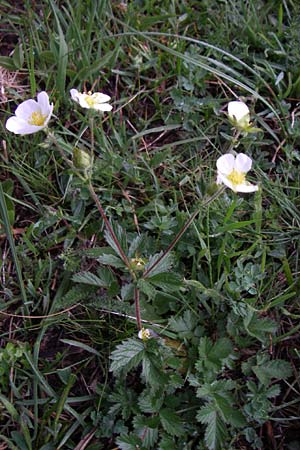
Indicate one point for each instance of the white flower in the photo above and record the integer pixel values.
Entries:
(239, 114)
(31, 116)
(232, 172)
(96, 101)
(145, 334)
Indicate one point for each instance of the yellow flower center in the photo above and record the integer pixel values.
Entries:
(90, 101)
(236, 177)
(37, 119)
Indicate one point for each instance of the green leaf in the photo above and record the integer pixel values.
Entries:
(150, 403)
(62, 62)
(215, 433)
(121, 237)
(88, 278)
(130, 442)
(8, 187)
(259, 328)
(7, 62)
(171, 422)
(278, 369)
(96, 252)
(166, 281)
(146, 428)
(186, 325)
(163, 265)
(213, 356)
(136, 243)
(127, 355)
(111, 260)
(75, 295)
(18, 56)
(152, 372)
(9, 407)
(147, 288)
(229, 414)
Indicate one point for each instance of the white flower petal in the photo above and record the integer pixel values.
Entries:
(237, 110)
(43, 101)
(225, 163)
(19, 126)
(246, 188)
(103, 107)
(75, 95)
(100, 98)
(242, 163)
(25, 109)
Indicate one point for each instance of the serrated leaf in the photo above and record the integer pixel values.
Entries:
(167, 281)
(215, 433)
(121, 237)
(153, 375)
(96, 252)
(111, 260)
(146, 428)
(171, 422)
(127, 355)
(135, 245)
(229, 414)
(75, 295)
(150, 403)
(163, 265)
(259, 328)
(88, 278)
(186, 325)
(146, 288)
(129, 442)
(123, 402)
(222, 348)
(273, 391)
(278, 369)
(213, 356)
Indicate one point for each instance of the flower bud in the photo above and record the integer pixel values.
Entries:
(81, 159)
(239, 115)
(137, 263)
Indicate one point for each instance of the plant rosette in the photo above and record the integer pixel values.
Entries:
(31, 116)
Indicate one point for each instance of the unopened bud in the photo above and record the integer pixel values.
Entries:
(81, 159)
(239, 115)
(137, 263)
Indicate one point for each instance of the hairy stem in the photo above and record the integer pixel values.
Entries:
(108, 225)
(137, 308)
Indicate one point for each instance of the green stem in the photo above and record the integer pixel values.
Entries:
(182, 231)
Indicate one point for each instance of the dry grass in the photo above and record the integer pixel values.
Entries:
(11, 85)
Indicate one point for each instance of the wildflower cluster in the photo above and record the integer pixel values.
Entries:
(232, 169)
(32, 116)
